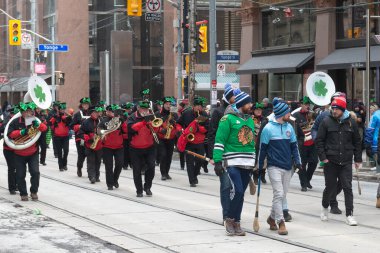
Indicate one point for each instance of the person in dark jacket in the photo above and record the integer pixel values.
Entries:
(166, 134)
(41, 115)
(9, 153)
(337, 142)
(113, 146)
(78, 118)
(59, 124)
(225, 185)
(141, 147)
(27, 156)
(189, 123)
(52, 112)
(127, 107)
(88, 134)
(268, 107)
(306, 145)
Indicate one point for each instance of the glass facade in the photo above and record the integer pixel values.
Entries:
(286, 86)
(280, 29)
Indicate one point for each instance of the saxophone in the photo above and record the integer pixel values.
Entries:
(169, 127)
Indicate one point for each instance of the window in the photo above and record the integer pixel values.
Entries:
(350, 21)
(286, 86)
(280, 30)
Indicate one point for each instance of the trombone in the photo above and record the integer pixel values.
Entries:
(156, 122)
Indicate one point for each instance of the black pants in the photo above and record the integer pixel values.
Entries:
(139, 158)
(166, 149)
(62, 147)
(194, 164)
(54, 147)
(309, 159)
(127, 157)
(333, 200)
(9, 157)
(157, 152)
(182, 159)
(20, 163)
(43, 146)
(81, 150)
(112, 174)
(94, 159)
(333, 172)
(205, 163)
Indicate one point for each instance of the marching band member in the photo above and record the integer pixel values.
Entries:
(181, 108)
(78, 118)
(127, 107)
(9, 153)
(52, 112)
(60, 125)
(166, 134)
(193, 137)
(113, 145)
(141, 147)
(306, 145)
(93, 147)
(27, 156)
(39, 113)
(158, 108)
(235, 146)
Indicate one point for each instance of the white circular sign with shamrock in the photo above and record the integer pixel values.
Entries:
(320, 87)
(39, 92)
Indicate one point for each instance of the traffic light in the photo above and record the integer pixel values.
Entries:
(134, 7)
(202, 38)
(14, 30)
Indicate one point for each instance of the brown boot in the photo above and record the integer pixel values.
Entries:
(272, 223)
(378, 202)
(238, 230)
(282, 229)
(34, 196)
(24, 198)
(229, 224)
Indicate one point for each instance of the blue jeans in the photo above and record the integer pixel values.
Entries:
(240, 179)
(225, 188)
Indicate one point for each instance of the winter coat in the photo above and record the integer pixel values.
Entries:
(217, 114)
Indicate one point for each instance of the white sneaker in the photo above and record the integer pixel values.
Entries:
(350, 220)
(325, 214)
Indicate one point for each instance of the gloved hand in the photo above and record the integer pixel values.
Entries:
(219, 170)
(36, 124)
(82, 142)
(24, 131)
(163, 131)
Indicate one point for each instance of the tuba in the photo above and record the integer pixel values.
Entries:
(39, 93)
(111, 126)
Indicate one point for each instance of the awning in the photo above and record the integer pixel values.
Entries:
(280, 63)
(348, 58)
(203, 81)
(18, 84)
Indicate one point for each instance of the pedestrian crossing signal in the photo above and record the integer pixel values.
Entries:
(202, 39)
(134, 8)
(14, 32)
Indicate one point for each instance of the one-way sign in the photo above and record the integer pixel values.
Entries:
(53, 47)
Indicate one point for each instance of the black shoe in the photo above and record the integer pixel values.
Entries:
(92, 180)
(309, 185)
(163, 178)
(12, 192)
(65, 167)
(143, 172)
(157, 164)
(148, 193)
(125, 167)
(168, 177)
(335, 210)
(193, 185)
(43, 163)
(98, 180)
(263, 180)
(196, 181)
(182, 168)
(61, 169)
(116, 184)
(303, 189)
(287, 216)
(205, 169)
(110, 188)
(79, 172)
(139, 195)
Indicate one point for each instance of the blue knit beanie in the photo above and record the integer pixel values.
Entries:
(228, 92)
(242, 99)
(236, 91)
(280, 108)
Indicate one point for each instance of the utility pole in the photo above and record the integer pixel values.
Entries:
(53, 88)
(192, 51)
(33, 15)
(107, 74)
(368, 69)
(213, 75)
(179, 52)
(185, 44)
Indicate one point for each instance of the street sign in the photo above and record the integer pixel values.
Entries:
(221, 69)
(26, 41)
(53, 47)
(40, 68)
(153, 10)
(227, 56)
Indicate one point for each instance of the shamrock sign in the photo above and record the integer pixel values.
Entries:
(320, 88)
(40, 94)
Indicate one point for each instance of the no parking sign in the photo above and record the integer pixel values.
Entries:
(153, 10)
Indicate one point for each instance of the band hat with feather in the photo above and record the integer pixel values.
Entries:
(85, 100)
(159, 102)
(145, 92)
(200, 101)
(127, 105)
(113, 107)
(26, 106)
(306, 100)
(168, 100)
(62, 106)
(144, 104)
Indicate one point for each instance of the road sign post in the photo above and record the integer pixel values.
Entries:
(153, 10)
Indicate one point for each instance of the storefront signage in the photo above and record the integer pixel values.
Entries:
(357, 65)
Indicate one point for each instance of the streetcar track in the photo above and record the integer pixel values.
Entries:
(181, 212)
